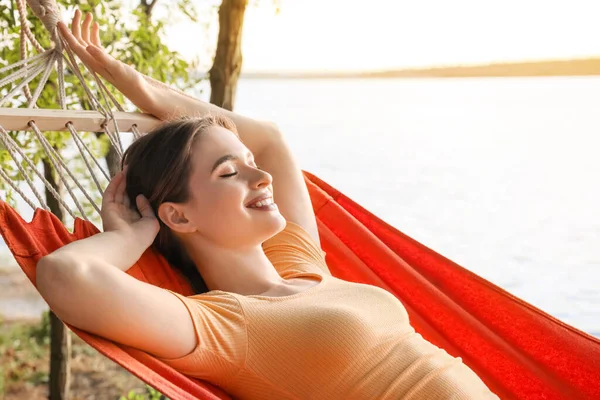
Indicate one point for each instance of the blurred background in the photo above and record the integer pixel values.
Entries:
(471, 126)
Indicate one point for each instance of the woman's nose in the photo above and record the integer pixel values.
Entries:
(261, 178)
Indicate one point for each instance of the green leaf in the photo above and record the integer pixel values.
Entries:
(140, 44)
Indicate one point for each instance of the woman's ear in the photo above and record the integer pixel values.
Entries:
(172, 215)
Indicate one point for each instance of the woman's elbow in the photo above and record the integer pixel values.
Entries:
(55, 277)
(273, 130)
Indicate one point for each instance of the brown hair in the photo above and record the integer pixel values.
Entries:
(159, 167)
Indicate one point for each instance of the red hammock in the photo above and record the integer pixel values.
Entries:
(519, 351)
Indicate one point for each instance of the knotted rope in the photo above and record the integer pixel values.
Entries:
(47, 12)
(44, 63)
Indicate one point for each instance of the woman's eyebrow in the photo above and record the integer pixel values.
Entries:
(225, 158)
(222, 159)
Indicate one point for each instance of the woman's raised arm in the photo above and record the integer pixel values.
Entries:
(150, 95)
(85, 284)
(270, 149)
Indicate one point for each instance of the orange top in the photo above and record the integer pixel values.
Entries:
(335, 340)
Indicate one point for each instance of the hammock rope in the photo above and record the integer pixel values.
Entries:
(23, 196)
(81, 145)
(12, 147)
(42, 65)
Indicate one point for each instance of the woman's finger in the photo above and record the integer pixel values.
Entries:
(76, 27)
(126, 201)
(72, 40)
(96, 35)
(120, 191)
(144, 207)
(111, 189)
(68, 35)
(85, 28)
(78, 49)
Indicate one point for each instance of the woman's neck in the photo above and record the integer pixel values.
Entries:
(243, 271)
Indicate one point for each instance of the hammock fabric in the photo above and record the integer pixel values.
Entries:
(519, 351)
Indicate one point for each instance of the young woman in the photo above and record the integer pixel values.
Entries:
(268, 319)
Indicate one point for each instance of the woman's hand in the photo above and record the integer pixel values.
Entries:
(117, 214)
(84, 40)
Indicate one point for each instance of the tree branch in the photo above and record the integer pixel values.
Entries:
(148, 6)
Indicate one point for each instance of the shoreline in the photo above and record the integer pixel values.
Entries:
(19, 300)
(574, 67)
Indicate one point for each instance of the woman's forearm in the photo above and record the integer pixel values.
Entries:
(155, 97)
(167, 103)
(119, 248)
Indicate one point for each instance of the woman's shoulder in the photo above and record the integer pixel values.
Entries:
(216, 304)
(221, 331)
(294, 246)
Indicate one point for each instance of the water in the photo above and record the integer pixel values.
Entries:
(499, 175)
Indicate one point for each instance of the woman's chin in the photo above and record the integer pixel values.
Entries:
(279, 222)
(270, 220)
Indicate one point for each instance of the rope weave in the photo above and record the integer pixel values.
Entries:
(23, 53)
(80, 145)
(47, 12)
(10, 147)
(42, 83)
(25, 81)
(103, 102)
(111, 137)
(47, 184)
(16, 189)
(30, 59)
(61, 81)
(57, 161)
(72, 63)
(113, 99)
(23, 72)
(25, 27)
(73, 131)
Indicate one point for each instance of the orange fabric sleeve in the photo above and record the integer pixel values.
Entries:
(293, 250)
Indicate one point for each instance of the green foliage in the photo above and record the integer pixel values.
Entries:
(2, 381)
(41, 333)
(130, 35)
(20, 346)
(149, 394)
(186, 7)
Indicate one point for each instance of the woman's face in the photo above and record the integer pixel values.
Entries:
(223, 181)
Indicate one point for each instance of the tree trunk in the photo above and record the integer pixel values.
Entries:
(60, 339)
(60, 357)
(147, 6)
(227, 65)
(54, 205)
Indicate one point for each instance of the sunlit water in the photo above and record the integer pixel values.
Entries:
(500, 175)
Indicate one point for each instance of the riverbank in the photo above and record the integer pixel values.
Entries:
(18, 298)
(24, 364)
(571, 67)
(25, 353)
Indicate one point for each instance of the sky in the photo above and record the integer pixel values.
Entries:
(352, 35)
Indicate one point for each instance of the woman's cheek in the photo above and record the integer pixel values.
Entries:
(228, 204)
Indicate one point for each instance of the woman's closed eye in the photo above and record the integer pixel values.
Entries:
(235, 173)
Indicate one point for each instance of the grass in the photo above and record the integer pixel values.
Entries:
(24, 364)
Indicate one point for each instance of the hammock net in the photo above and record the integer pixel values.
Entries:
(519, 351)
